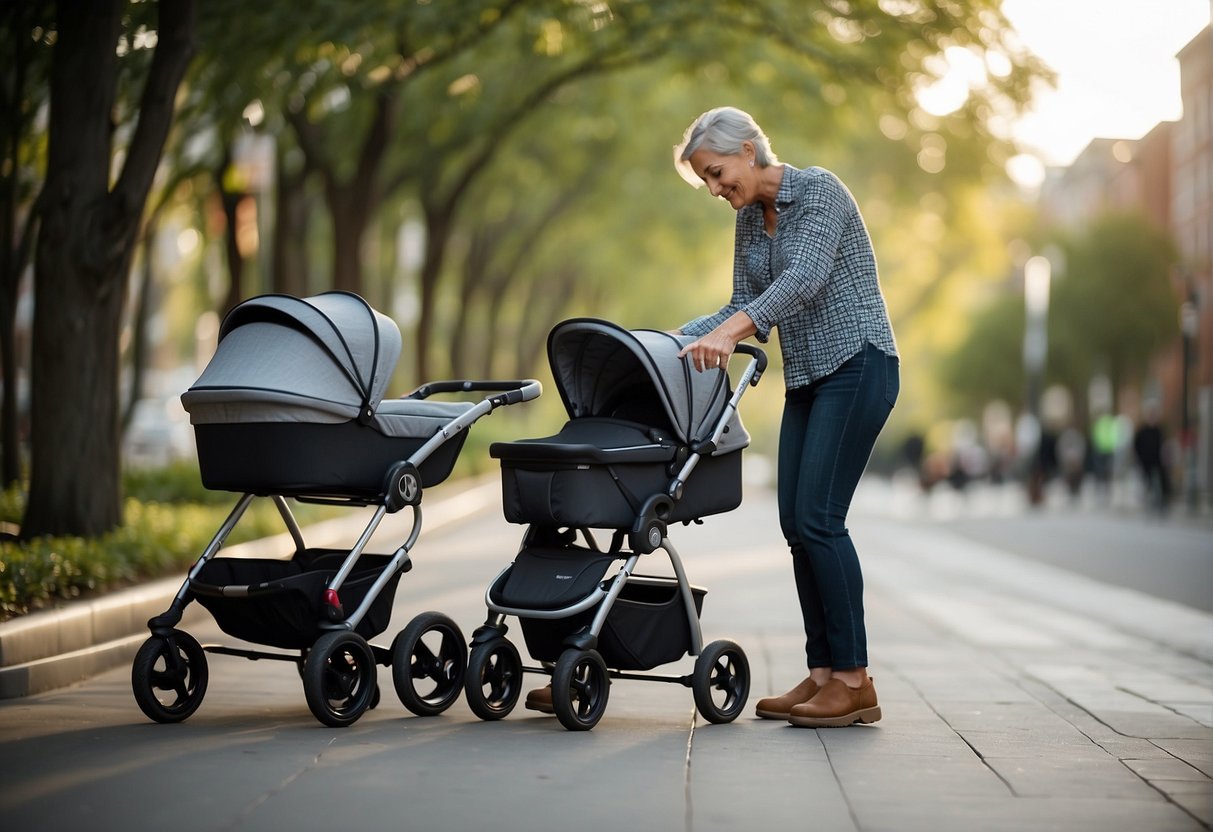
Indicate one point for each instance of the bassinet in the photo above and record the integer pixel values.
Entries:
(292, 402)
(636, 412)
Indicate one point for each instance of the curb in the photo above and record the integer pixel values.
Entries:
(54, 648)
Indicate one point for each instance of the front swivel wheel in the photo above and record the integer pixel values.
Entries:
(580, 687)
(168, 676)
(339, 678)
(494, 679)
(428, 661)
(721, 681)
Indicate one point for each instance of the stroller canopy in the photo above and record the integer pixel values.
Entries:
(602, 369)
(326, 358)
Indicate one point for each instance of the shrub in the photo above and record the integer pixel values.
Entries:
(157, 539)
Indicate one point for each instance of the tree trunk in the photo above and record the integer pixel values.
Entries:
(13, 243)
(437, 234)
(351, 213)
(289, 266)
(84, 250)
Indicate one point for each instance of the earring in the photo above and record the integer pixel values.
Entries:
(751, 163)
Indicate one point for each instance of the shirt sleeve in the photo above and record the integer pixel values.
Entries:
(809, 248)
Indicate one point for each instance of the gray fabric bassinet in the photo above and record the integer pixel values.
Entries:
(636, 410)
(292, 402)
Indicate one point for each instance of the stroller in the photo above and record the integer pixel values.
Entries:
(650, 442)
(291, 406)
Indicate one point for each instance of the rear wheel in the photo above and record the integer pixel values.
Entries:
(429, 658)
(580, 687)
(168, 676)
(339, 678)
(494, 679)
(721, 681)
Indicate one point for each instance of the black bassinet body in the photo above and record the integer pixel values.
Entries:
(292, 402)
(637, 411)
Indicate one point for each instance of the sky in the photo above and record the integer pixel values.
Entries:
(1117, 75)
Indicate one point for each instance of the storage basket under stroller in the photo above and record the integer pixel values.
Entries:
(291, 406)
(284, 607)
(645, 627)
(649, 442)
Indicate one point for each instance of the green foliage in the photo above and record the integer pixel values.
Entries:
(177, 482)
(1112, 308)
(1113, 304)
(155, 540)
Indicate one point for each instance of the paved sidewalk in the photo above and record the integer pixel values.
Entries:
(1016, 696)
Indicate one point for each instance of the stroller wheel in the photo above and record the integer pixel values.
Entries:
(494, 679)
(721, 681)
(339, 678)
(580, 687)
(429, 657)
(169, 677)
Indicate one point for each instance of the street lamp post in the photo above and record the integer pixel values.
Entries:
(1037, 273)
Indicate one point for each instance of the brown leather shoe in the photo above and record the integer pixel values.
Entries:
(540, 699)
(837, 705)
(779, 707)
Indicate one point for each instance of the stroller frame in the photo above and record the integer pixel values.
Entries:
(580, 676)
(169, 673)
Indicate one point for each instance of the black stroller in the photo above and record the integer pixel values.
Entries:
(650, 442)
(291, 406)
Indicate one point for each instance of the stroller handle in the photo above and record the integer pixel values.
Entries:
(759, 356)
(515, 391)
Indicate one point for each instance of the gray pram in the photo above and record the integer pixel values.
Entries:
(291, 406)
(649, 442)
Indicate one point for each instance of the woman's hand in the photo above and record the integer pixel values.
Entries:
(713, 350)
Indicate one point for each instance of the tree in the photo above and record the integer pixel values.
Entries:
(88, 232)
(1113, 307)
(22, 94)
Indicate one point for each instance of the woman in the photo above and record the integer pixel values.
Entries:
(803, 262)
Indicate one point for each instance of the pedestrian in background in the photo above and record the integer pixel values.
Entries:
(1148, 444)
(803, 262)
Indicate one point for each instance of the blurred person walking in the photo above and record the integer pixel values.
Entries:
(1148, 448)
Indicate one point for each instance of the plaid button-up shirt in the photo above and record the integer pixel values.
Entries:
(816, 279)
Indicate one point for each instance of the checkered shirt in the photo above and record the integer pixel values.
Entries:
(816, 279)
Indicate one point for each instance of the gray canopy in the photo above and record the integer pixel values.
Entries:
(602, 369)
(325, 359)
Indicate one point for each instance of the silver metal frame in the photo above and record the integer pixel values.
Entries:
(528, 390)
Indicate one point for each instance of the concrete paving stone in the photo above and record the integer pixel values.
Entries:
(942, 686)
(864, 773)
(1197, 753)
(762, 769)
(1199, 805)
(1197, 712)
(1168, 769)
(1089, 776)
(1026, 745)
(1016, 814)
(1154, 726)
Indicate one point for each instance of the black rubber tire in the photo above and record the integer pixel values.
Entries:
(721, 681)
(339, 678)
(169, 676)
(580, 689)
(440, 670)
(494, 679)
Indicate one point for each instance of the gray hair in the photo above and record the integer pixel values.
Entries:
(722, 130)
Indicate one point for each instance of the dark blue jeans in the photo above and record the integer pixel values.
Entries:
(827, 435)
